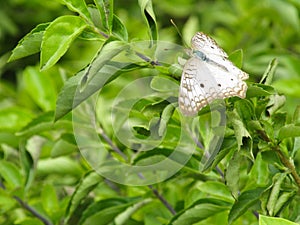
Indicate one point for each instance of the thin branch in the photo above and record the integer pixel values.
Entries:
(285, 161)
(154, 191)
(289, 165)
(32, 211)
(28, 208)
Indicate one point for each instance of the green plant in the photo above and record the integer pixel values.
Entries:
(252, 167)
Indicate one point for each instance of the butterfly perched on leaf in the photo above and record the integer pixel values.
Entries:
(208, 75)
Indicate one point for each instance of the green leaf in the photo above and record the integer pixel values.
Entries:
(30, 44)
(105, 211)
(149, 17)
(216, 189)
(123, 217)
(87, 184)
(58, 37)
(273, 197)
(14, 118)
(119, 29)
(49, 199)
(106, 9)
(232, 175)
(256, 90)
(243, 203)
(259, 173)
(200, 210)
(237, 58)
(289, 131)
(71, 95)
(61, 165)
(266, 220)
(165, 117)
(296, 116)
(238, 126)
(275, 103)
(78, 6)
(105, 54)
(63, 146)
(163, 83)
(40, 87)
(267, 77)
(11, 174)
(42, 123)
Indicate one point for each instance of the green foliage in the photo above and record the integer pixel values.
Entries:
(92, 133)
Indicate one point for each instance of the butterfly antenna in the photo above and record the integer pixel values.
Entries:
(179, 33)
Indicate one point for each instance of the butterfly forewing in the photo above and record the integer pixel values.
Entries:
(208, 75)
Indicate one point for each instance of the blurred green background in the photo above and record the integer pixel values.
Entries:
(263, 29)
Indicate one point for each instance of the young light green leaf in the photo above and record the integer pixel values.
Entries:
(149, 16)
(58, 37)
(11, 174)
(78, 6)
(49, 199)
(106, 9)
(273, 197)
(30, 44)
(288, 131)
(267, 77)
(40, 87)
(123, 217)
(266, 220)
(237, 58)
(165, 117)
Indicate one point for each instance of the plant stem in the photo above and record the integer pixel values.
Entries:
(289, 165)
(32, 211)
(154, 191)
(285, 161)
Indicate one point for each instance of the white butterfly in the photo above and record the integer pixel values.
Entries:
(208, 75)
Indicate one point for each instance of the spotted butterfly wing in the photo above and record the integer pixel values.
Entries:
(208, 75)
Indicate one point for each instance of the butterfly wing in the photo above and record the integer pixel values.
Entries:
(202, 82)
(207, 45)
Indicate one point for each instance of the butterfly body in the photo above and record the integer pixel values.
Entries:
(208, 75)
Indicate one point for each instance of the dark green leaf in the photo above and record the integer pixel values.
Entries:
(87, 184)
(200, 210)
(119, 29)
(243, 203)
